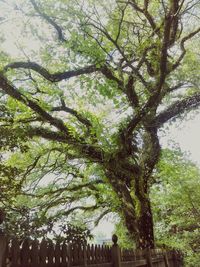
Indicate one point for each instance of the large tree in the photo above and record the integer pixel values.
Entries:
(91, 101)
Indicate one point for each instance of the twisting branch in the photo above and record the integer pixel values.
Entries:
(131, 93)
(182, 46)
(55, 77)
(122, 53)
(86, 150)
(73, 112)
(150, 152)
(68, 188)
(177, 109)
(164, 48)
(176, 8)
(145, 12)
(178, 86)
(46, 134)
(83, 208)
(28, 170)
(102, 215)
(120, 23)
(106, 71)
(50, 21)
(6, 86)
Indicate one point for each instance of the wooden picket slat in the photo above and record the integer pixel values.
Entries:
(64, 255)
(34, 254)
(88, 253)
(80, 255)
(57, 254)
(7, 257)
(25, 254)
(50, 254)
(15, 253)
(69, 255)
(43, 253)
(92, 254)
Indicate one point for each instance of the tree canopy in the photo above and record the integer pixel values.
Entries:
(80, 115)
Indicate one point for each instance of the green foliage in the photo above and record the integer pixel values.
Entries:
(124, 240)
(23, 222)
(176, 201)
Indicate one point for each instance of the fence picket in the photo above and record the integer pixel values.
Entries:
(34, 254)
(80, 254)
(15, 253)
(57, 255)
(92, 254)
(69, 255)
(50, 254)
(25, 253)
(64, 255)
(5, 250)
(88, 254)
(95, 254)
(43, 253)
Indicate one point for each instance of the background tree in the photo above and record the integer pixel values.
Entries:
(22, 219)
(175, 201)
(91, 101)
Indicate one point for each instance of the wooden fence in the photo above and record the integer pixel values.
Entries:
(31, 253)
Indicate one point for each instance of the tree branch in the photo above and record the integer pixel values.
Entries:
(50, 21)
(182, 46)
(177, 109)
(83, 208)
(164, 48)
(55, 77)
(122, 53)
(73, 188)
(91, 152)
(150, 153)
(73, 112)
(145, 12)
(102, 215)
(109, 75)
(131, 93)
(47, 134)
(9, 89)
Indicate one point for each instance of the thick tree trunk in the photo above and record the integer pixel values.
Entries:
(141, 229)
(145, 237)
(136, 208)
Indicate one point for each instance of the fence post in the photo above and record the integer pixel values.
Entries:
(148, 257)
(166, 259)
(115, 252)
(177, 260)
(69, 252)
(3, 243)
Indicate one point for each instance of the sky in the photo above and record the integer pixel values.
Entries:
(185, 133)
